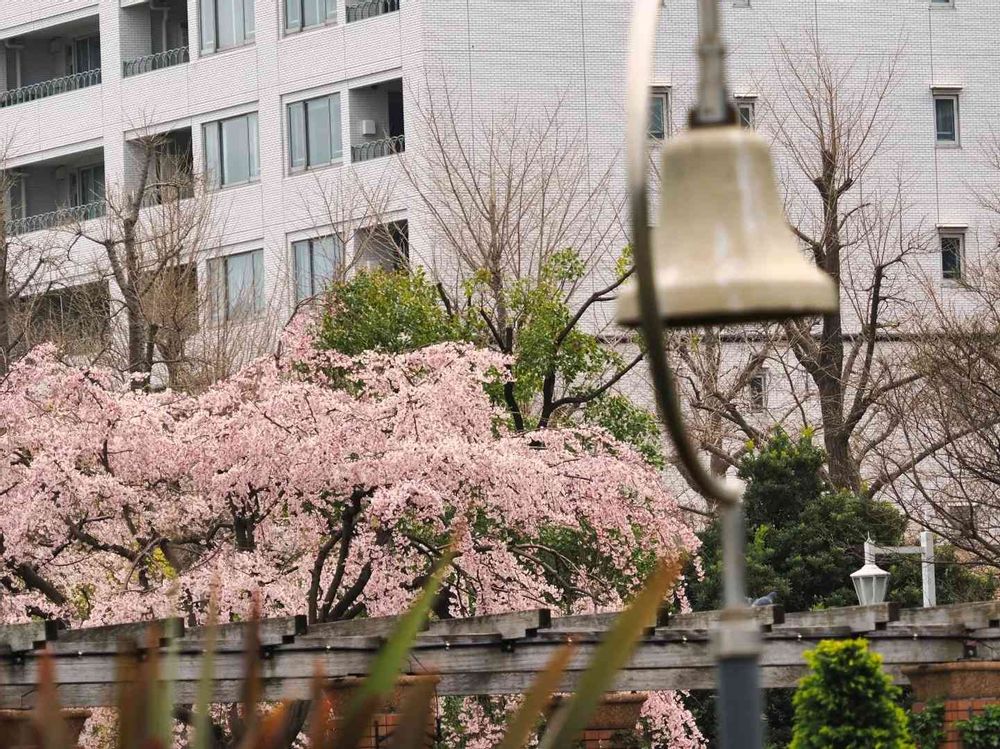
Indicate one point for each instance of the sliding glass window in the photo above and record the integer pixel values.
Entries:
(226, 24)
(231, 150)
(314, 135)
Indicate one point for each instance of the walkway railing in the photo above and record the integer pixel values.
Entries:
(50, 88)
(157, 61)
(56, 218)
(370, 9)
(378, 148)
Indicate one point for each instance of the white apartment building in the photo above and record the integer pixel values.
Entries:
(277, 98)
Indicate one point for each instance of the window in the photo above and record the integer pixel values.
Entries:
(952, 256)
(231, 155)
(226, 24)
(301, 14)
(86, 187)
(314, 134)
(78, 317)
(746, 110)
(943, 3)
(946, 119)
(316, 263)
(13, 63)
(659, 114)
(84, 55)
(758, 390)
(16, 203)
(237, 283)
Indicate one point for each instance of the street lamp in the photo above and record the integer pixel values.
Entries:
(723, 254)
(871, 582)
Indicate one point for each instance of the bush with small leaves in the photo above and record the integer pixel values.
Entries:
(927, 726)
(846, 701)
(982, 731)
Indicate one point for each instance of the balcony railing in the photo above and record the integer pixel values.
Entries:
(158, 61)
(50, 88)
(370, 9)
(53, 219)
(378, 148)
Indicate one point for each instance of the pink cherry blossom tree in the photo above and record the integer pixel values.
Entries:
(324, 484)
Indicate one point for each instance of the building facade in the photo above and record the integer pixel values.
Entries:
(284, 103)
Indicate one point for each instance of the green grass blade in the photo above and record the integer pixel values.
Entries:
(411, 730)
(612, 655)
(163, 699)
(391, 659)
(203, 738)
(523, 722)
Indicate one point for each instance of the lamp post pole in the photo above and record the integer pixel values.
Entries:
(736, 641)
(926, 551)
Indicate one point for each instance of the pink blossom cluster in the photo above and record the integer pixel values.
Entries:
(325, 484)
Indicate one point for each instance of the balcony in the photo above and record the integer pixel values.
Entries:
(51, 61)
(50, 88)
(385, 246)
(154, 36)
(359, 11)
(155, 61)
(57, 192)
(167, 159)
(378, 148)
(377, 121)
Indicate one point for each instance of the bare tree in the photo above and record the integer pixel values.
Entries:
(503, 197)
(948, 463)
(831, 122)
(28, 269)
(152, 235)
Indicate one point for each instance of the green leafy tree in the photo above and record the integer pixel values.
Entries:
(387, 311)
(847, 701)
(804, 539)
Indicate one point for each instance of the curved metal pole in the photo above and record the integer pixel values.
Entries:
(641, 49)
(737, 641)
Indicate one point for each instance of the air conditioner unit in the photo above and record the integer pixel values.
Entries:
(57, 45)
(60, 173)
(368, 127)
(14, 43)
(158, 5)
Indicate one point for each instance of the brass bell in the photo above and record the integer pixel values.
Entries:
(723, 252)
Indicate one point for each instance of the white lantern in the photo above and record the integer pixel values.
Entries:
(870, 583)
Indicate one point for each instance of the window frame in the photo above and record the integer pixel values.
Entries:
(336, 133)
(329, 5)
(213, 132)
(214, 46)
(311, 246)
(948, 233)
(222, 310)
(659, 93)
(748, 102)
(952, 96)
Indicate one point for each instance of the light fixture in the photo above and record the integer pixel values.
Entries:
(722, 251)
(871, 583)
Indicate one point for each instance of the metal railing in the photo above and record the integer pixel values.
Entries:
(50, 88)
(370, 9)
(53, 219)
(157, 61)
(378, 148)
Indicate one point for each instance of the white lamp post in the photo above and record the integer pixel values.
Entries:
(871, 582)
